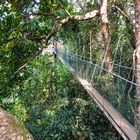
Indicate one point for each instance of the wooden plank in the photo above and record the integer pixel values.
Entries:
(125, 129)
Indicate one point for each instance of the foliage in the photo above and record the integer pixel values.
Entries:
(43, 94)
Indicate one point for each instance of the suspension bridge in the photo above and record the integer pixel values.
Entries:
(113, 92)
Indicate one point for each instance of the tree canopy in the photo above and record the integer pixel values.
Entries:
(43, 94)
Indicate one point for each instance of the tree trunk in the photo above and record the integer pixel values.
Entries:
(137, 60)
(11, 128)
(105, 35)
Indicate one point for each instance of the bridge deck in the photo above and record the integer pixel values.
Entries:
(125, 129)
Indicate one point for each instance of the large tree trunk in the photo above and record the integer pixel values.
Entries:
(137, 60)
(105, 35)
(11, 128)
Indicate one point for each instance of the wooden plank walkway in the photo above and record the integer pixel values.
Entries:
(125, 129)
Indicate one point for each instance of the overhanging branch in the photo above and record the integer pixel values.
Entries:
(87, 16)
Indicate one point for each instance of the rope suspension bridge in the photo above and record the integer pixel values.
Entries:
(113, 92)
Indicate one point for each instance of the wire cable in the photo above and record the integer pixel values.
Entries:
(114, 74)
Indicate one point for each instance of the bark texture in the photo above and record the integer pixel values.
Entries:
(105, 36)
(137, 60)
(11, 128)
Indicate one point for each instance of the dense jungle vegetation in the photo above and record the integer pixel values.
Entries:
(41, 92)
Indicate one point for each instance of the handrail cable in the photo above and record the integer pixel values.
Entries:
(105, 62)
(106, 71)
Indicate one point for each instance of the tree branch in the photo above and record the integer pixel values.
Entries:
(123, 13)
(87, 16)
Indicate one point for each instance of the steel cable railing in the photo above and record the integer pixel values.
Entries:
(118, 90)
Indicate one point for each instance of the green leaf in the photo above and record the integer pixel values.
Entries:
(3, 7)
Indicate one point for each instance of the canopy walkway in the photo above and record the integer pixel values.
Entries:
(111, 91)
